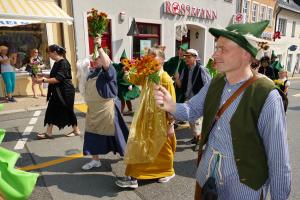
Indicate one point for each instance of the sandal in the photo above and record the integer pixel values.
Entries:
(72, 134)
(42, 136)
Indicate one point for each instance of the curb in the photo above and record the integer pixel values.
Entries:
(30, 109)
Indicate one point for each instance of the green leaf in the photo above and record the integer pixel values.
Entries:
(154, 78)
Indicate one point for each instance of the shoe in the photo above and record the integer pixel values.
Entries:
(12, 99)
(196, 147)
(42, 136)
(129, 112)
(193, 141)
(72, 134)
(91, 165)
(175, 126)
(127, 182)
(166, 179)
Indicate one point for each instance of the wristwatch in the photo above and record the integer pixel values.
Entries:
(43, 80)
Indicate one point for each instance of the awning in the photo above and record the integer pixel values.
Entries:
(31, 11)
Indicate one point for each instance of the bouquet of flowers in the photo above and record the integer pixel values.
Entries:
(279, 82)
(142, 68)
(35, 67)
(97, 22)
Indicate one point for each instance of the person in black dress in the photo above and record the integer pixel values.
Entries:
(61, 94)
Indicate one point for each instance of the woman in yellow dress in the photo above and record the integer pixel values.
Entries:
(152, 143)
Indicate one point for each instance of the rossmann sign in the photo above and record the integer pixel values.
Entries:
(176, 8)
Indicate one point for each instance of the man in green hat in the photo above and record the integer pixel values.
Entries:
(175, 65)
(276, 65)
(246, 150)
(126, 91)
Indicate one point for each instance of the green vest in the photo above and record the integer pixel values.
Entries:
(248, 148)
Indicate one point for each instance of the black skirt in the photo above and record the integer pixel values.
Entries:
(58, 113)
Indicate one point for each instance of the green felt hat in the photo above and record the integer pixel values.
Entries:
(184, 46)
(123, 54)
(245, 35)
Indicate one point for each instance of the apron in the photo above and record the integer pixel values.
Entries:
(100, 113)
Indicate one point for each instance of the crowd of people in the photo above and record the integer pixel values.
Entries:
(237, 116)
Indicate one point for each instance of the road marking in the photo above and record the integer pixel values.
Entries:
(21, 143)
(52, 162)
(37, 113)
(33, 120)
(296, 95)
(82, 107)
(27, 130)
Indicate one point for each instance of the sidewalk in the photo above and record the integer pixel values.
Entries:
(28, 103)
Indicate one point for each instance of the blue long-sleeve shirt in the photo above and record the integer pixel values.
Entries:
(272, 129)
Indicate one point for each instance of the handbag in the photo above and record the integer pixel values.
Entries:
(209, 190)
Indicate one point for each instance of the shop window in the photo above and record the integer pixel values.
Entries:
(282, 26)
(149, 36)
(106, 41)
(22, 39)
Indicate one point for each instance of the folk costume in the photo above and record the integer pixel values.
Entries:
(149, 152)
(174, 65)
(105, 128)
(124, 93)
(61, 97)
(247, 146)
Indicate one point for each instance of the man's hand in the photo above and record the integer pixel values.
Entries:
(164, 99)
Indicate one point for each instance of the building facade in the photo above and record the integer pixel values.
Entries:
(25, 25)
(158, 22)
(284, 16)
(287, 48)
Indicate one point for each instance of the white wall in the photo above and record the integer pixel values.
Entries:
(151, 11)
(286, 41)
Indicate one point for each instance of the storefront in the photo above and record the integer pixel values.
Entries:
(158, 22)
(28, 24)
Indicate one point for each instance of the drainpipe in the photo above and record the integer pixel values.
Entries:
(61, 27)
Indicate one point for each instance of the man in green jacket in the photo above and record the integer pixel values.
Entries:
(246, 149)
(175, 65)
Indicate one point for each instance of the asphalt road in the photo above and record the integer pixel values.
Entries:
(67, 181)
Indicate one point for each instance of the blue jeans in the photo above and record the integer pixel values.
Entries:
(9, 79)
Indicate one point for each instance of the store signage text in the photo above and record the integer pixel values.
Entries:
(176, 8)
(13, 22)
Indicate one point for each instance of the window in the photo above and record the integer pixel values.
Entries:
(22, 39)
(238, 6)
(282, 26)
(245, 10)
(262, 14)
(293, 29)
(149, 35)
(254, 12)
(289, 62)
(270, 16)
